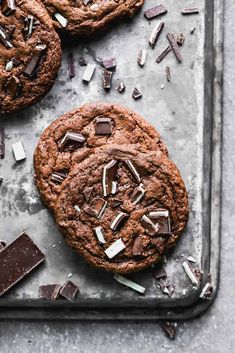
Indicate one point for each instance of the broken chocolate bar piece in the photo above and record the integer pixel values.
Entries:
(138, 194)
(107, 79)
(133, 170)
(4, 38)
(168, 74)
(29, 20)
(97, 207)
(174, 46)
(109, 64)
(58, 177)
(35, 60)
(121, 87)
(149, 226)
(8, 7)
(180, 39)
(136, 94)
(71, 65)
(163, 54)
(141, 57)
(2, 142)
(159, 272)
(114, 249)
(137, 247)
(103, 126)
(190, 11)
(170, 328)
(17, 260)
(155, 11)
(14, 87)
(119, 221)
(161, 220)
(87, 193)
(72, 140)
(190, 273)
(207, 291)
(49, 291)
(109, 174)
(88, 73)
(155, 34)
(69, 291)
(115, 203)
(100, 234)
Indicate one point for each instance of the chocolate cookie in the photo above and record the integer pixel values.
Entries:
(122, 209)
(74, 136)
(84, 17)
(30, 54)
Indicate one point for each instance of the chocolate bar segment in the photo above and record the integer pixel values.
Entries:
(103, 126)
(2, 142)
(69, 291)
(174, 46)
(155, 11)
(35, 60)
(72, 140)
(17, 260)
(108, 176)
(49, 291)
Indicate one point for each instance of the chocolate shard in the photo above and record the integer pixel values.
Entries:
(49, 291)
(14, 87)
(2, 245)
(137, 247)
(207, 291)
(100, 234)
(174, 46)
(163, 54)
(155, 11)
(114, 249)
(18, 151)
(71, 65)
(166, 287)
(29, 21)
(72, 140)
(121, 87)
(136, 94)
(33, 64)
(58, 177)
(8, 7)
(2, 142)
(190, 11)
(170, 328)
(69, 291)
(87, 193)
(141, 59)
(138, 194)
(129, 283)
(159, 272)
(115, 203)
(155, 34)
(161, 220)
(90, 211)
(109, 174)
(88, 73)
(133, 170)
(97, 207)
(103, 126)
(180, 39)
(168, 74)
(107, 79)
(149, 226)
(118, 221)
(17, 260)
(109, 64)
(4, 38)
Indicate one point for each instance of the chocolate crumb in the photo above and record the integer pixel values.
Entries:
(190, 11)
(121, 87)
(170, 328)
(109, 64)
(69, 291)
(180, 39)
(136, 94)
(107, 79)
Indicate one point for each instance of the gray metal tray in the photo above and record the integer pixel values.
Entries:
(187, 112)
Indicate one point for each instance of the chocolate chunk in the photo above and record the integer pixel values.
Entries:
(17, 260)
(82, 61)
(109, 64)
(58, 177)
(34, 62)
(109, 174)
(207, 291)
(136, 94)
(193, 30)
(155, 34)
(161, 220)
(87, 193)
(115, 248)
(49, 291)
(141, 57)
(133, 170)
(163, 54)
(72, 140)
(14, 87)
(137, 247)
(159, 272)
(88, 73)
(119, 220)
(174, 46)
(8, 7)
(29, 26)
(100, 234)
(170, 328)
(149, 226)
(86, 2)
(168, 74)
(18, 151)
(180, 39)
(69, 291)
(115, 203)
(155, 11)
(97, 207)
(107, 79)
(2, 142)
(103, 126)
(121, 87)
(138, 194)
(4, 38)
(190, 11)
(71, 65)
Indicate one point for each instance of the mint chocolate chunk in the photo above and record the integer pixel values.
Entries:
(155, 11)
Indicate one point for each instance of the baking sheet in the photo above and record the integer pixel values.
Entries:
(186, 111)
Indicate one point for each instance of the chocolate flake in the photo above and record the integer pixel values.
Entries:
(141, 59)
(121, 87)
(136, 94)
(49, 291)
(103, 126)
(129, 283)
(17, 260)
(87, 193)
(8, 7)
(90, 211)
(88, 73)
(109, 64)
(155, 11)
(138, 194)
(155, 34)
(133, 170)
(163, 54)
(115, 203)
(58, 177)
(100, 234)
(137, 247)
(18, 151)
(71, 65)
(107, 79)
(61, 19)
(166, 287)
(102, 209)
(189, 272)
(2, 142)
(118, 221)
(14, 87)
(174, 46)
(170, 328)
(207, 291)
(114, 249)
(77, 208)
(191, 259)
(168, 74)
(97, 207)
(72, 140)
(4, 38)
(69, 291)
(190, 11)
(108, 176)
(82, 61)
(35, 60)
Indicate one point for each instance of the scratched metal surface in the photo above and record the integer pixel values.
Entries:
(181, 110)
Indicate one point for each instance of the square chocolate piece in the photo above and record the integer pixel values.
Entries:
(103, 126)
(49, 291)
(69, 291)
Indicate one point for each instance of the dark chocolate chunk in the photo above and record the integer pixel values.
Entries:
(109, 174)
(29, 21)
(138, 194)
(190, 11)
(17, 260)
(49, 291)
(149, 226)
(107, 79)
(71, 65)
(166, 287)
(82, 61)
(58, 177)
(168, 74)
(170, 328)
(174, 46)
(133, 170)
(136, 94)
(2, 142)
(121, 87)
(89, 210)
(119, 221)
(180, 39)
(159, 272)
(163, 54)
(87, 193)
(156, 34)
(14, 87)
(142, 57)
(198, 273)
(72, 140)
(155, 11)
(34, 62)
(115, 203)
(161, 220)
(4, 38)
(109, 64)
(103, 126)
(8, 7)
(69, 291)
(137, 247)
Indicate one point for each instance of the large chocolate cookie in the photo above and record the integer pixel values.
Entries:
(74, 136)
(121, 209)
(84, 17)
(30, 54)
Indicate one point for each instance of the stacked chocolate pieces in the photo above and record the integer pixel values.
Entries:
(117, 197)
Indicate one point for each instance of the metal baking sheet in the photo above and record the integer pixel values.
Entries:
(186, 111)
